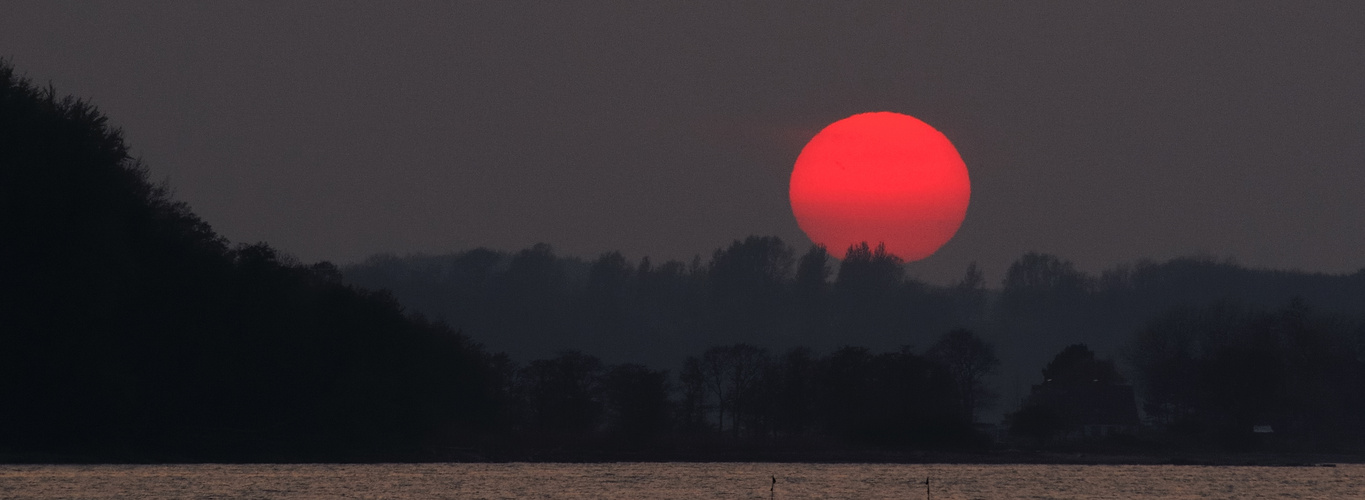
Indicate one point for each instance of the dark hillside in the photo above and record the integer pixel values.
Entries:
(132, 331)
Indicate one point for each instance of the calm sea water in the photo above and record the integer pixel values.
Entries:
(693, 481)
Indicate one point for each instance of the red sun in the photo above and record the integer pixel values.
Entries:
(880, 178)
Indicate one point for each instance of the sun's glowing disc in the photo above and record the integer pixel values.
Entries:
(880, 178)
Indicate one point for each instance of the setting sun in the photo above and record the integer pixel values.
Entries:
(880, 178)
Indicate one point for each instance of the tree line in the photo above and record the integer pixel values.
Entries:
(741, 394)
(759, 290)
(1213, 372)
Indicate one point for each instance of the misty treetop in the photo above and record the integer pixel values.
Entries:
(755, 290)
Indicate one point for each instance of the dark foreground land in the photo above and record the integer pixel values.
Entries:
(1000, 457)
(1076, 454)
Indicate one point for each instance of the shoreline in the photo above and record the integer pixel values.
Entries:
(999, 457)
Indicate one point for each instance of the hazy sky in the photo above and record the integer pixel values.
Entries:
(1103, 132)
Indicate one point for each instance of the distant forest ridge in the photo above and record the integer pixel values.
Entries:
(1116, 274)
(1214, 350)
(532, 303)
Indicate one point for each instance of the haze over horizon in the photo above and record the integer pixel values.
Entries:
(1100, 133)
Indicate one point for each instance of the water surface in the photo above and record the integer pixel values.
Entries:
(693, 481)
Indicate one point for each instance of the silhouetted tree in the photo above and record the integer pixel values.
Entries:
(971, 293)
(811, 296)
(565, 394)
(866, 271)
(731, 374)
(692, 406)
(608, 296)
(846, 396)
(794, 391)
(969, 360)
(890, 399)
(745, 283)
(607, 284)
(869, 290)
(1038, 273)
(1043, 287)
(637, 405)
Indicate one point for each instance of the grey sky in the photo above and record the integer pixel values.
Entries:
(1100, 131)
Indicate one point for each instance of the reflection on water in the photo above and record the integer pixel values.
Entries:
(693, 481)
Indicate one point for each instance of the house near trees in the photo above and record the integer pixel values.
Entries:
(1089, 411)
(1081, 398)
